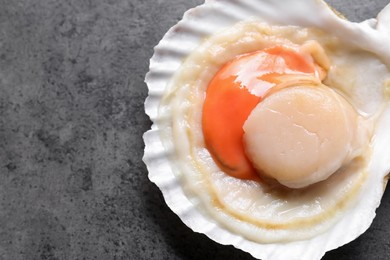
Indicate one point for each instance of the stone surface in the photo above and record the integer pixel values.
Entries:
(72, 182)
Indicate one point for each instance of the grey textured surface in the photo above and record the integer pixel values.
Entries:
(72, 183)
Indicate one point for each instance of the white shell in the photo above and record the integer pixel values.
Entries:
(372, 35)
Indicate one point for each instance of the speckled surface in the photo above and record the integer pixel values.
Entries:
(72, 182)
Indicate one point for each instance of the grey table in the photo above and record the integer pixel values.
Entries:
(72, 183)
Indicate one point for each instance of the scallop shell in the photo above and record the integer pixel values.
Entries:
(214, 15)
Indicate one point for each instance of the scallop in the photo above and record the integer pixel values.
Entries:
(306, 99)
